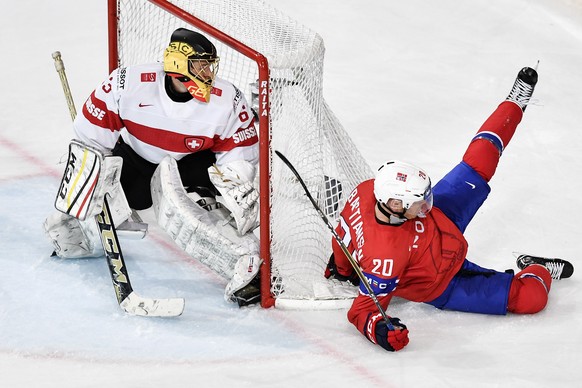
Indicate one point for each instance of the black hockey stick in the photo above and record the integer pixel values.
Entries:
(338, 239)
(126, 297)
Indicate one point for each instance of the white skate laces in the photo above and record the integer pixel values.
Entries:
(523, 87)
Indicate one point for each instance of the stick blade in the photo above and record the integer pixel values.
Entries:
(146, 307)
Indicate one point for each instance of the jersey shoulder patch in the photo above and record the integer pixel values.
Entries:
(228, 92)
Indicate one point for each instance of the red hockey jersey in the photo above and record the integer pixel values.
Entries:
(415, 261)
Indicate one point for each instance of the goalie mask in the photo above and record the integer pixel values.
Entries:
(405, 183)
(192, 59)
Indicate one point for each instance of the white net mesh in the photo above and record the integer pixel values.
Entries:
(303, 127)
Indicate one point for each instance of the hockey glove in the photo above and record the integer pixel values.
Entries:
(238, 195)
(88, 176)
(331, 272)
(378, 332)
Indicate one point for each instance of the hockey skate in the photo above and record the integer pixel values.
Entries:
(523, 87)
(559, 269)
(249, 294)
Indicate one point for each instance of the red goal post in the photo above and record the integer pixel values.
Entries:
(278, 64)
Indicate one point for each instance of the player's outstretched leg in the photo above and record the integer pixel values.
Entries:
(559, 269)
(496, 132)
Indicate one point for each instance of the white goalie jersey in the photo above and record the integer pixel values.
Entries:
(133, 103)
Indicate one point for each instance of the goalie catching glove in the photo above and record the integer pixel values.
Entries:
(377, 331)
(234, 182)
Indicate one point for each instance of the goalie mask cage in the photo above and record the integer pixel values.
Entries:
(278, 64)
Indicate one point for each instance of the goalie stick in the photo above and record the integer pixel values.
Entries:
(338, 239)
(128, 300)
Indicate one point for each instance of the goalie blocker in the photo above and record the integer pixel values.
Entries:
(88, 176)
(83, 187)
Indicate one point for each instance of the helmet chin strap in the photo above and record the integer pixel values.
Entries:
(393, 217)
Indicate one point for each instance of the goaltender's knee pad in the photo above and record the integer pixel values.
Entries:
(529, 290)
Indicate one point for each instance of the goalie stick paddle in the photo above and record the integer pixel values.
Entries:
(126, 297)
(338, 239)
(128, 300)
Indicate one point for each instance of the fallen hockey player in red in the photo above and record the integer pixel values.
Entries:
(408, 248)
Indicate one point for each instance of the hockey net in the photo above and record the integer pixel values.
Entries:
(278, 64)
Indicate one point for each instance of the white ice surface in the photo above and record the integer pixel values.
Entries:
(410, 80)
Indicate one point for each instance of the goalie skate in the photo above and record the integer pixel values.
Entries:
(244, 286)
(249, 294)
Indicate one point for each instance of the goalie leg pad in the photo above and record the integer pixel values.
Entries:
(71, 237)
(205, 235)
(120, 210)
(127, 222)
(245, 270)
